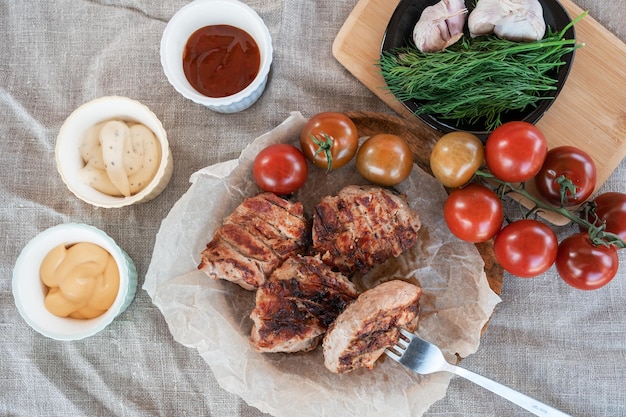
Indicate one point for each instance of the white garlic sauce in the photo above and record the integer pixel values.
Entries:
(120, 157)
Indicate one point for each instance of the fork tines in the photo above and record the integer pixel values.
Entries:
(396, 352)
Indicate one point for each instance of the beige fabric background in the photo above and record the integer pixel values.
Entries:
(562, 346)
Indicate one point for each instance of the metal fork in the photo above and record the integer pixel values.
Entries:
(425, 358)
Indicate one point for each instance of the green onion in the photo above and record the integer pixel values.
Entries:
(478, 79)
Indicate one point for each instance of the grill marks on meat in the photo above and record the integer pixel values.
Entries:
(362, 332)
(298, 302)
(302, 299)
(362, 227)
(255, 239)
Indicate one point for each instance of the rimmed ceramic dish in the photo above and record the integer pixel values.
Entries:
(399, 34)
(29, 292)
(201, 13)
(68, 155)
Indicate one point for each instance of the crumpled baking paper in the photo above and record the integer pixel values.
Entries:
(212, 316)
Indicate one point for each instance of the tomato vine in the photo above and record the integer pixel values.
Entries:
(598, 234)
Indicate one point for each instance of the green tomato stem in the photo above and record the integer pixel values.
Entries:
(597, 234)
(325, 146)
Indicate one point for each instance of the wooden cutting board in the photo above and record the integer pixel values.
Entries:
(589, 113)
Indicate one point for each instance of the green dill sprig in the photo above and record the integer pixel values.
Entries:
(478, 79)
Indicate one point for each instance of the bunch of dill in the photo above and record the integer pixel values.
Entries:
(478, 79)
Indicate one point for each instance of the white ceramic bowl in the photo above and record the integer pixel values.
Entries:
(69, 161)
(201, 13)
(29, 291)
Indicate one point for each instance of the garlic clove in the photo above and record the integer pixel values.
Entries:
(440, 25)
(525, 26)
(516, 20)
(482, 20)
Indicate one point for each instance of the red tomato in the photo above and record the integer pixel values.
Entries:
(473, 213)
(526, 248)
(611, 210)
(515, 151)
(329, 140)
(280, 169)
(573, 164)
(583, 265)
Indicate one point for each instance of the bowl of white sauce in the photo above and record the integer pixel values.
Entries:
(113, 152)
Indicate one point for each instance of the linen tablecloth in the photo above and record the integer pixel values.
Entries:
(562, 346)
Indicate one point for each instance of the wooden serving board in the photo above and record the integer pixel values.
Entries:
(421, 139)
(590, 111)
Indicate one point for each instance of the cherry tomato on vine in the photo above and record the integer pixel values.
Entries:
(526, 248)
(515, 151)
(456, 157)
(280, 168)
(583, 265)
(329, 140)
(473, 213)
(384, 159)
(610, 209)
(570, 163)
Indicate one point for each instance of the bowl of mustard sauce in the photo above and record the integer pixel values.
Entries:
(72, 280)
(217, 53)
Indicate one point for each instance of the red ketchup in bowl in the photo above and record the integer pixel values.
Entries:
(220, 60)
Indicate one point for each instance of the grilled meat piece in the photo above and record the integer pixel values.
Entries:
(297, 303)
(369, 325)
(255, 239)
(363, 226)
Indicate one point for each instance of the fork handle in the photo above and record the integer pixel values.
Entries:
(536, 407)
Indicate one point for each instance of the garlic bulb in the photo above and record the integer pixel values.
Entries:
(440, 25)
(516, 20)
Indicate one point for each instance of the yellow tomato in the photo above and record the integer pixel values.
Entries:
(456, 157)
(384, 159)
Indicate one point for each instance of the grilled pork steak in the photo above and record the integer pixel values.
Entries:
(369, 325)
(297, 303)
(363, 226)
(255, 239)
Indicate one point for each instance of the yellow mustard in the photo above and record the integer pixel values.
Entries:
(82, 280)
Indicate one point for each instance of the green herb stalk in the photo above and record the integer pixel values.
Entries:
(478, 78)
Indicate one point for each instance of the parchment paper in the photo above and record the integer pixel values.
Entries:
(212, 316)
